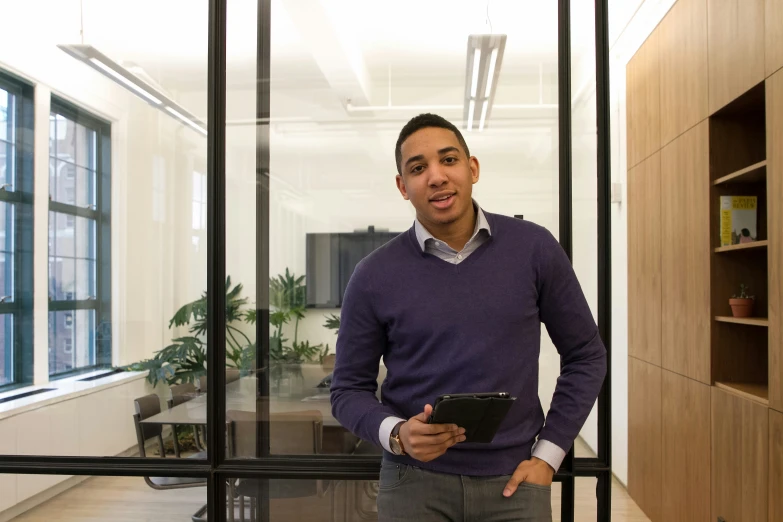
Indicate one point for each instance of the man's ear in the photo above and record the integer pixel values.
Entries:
(475, 168)
(401, 186)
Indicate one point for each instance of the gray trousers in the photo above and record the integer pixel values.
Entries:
(409, 494)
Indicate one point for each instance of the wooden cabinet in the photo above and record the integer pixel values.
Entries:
(775, 466)
(773, 18)
(736, 48)
(739, 458)
(644, 260)
(644, 437)
(685, 255)
(682, 40)
(643, 102)
(774, 108)
(685, 435)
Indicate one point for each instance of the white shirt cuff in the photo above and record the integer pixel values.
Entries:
(384, 433)
(549, 452)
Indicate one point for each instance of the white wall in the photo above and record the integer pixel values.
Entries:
(98, 423)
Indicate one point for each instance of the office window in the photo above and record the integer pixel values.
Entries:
(15, 231)
(78, 240)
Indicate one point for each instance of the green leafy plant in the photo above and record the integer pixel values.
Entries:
(185, 359)
(332, 322)
(287, 300)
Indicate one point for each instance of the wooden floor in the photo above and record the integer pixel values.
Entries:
(121, 499)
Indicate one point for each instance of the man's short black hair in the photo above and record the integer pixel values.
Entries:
(422, 121)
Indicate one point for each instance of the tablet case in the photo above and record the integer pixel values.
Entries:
(480, 416)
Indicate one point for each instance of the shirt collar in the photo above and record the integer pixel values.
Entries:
(423, 235)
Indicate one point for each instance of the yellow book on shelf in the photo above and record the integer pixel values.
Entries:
(738, 220)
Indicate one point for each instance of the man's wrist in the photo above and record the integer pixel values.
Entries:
(385, 430)
(549, 452)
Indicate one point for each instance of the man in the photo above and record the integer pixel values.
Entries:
(455, 305)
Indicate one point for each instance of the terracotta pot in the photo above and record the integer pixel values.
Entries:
(741, 307)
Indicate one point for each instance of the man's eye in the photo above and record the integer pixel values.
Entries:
(417, 169)
(450, 159)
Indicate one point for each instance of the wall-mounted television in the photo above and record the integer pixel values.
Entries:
(331, 259)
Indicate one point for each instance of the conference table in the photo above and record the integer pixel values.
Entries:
(302, 391)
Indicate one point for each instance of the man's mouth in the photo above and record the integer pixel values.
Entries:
(443, 202)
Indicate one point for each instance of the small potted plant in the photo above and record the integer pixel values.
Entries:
(742, 303)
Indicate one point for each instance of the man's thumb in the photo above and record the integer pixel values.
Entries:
(425, 415)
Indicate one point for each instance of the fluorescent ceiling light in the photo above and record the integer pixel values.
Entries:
(483, 115)
(117, 76)
(186, 120)
(474, 81)
(485, 56)
(91, 56)
(490, 75)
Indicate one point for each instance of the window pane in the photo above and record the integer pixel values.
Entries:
(64, 188)
(6, 348)
(66, 140)
(6, 252)
(85, 187)
(7, 139)
(63, 278)
(71, 340)
(63, 233)
(85, 237)
(53, 135)
(5, 104)
(85, 147)
(85, 279)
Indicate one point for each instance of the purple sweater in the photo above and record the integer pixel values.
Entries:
(473, 327)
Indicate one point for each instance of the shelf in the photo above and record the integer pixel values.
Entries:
(743, 246)
(754, 173)
(754, 392)
(751, 321)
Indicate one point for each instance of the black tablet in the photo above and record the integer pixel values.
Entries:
(479, 413)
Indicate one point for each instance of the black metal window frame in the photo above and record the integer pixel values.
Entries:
(100, 214)
(216, 468)
(19, 305)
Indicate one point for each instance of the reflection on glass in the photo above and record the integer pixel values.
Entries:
(104, 498)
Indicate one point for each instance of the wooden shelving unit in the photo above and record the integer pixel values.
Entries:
(750, 321)
(754, 392)
(753, 174)
(739, 167)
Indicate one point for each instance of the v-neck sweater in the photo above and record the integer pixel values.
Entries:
(444, 328)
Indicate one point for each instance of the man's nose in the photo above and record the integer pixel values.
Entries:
(437, 175)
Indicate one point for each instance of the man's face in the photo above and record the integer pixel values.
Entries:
(437, 176)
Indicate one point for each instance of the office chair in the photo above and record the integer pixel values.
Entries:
(181, 393)
(146, 407)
